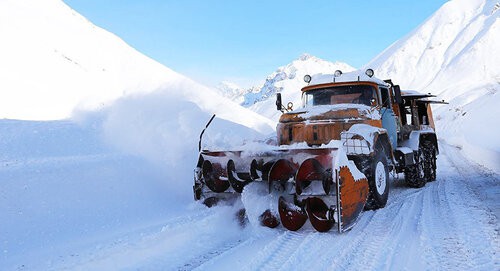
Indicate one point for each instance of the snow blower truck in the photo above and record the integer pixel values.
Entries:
(333, 155)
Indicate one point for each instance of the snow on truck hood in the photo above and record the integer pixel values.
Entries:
(311, 113)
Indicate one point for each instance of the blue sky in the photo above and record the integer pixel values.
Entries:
(244, 41)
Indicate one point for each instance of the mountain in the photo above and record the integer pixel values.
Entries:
(455, 54)
(457, 44)
(55, 61)
(288, 80)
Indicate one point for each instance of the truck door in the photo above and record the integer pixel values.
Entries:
(389, 118)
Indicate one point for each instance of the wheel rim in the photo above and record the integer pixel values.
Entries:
(380, 178)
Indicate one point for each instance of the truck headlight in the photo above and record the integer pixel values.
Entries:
(307, 78)
(369, 72)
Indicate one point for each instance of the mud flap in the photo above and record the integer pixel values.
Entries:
(351, 198)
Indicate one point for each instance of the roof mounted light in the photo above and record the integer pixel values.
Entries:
(337, 73)
(369, 72)
(307, 78)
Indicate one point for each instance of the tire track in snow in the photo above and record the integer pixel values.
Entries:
(206, 259)
(275, 254)
(221, 255)
(443, 247)
(321, 251)
(391, 238)
(475, 228)
(378, 238)
(330, 250)
(308, 251)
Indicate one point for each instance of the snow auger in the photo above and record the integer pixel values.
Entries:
(315, 183)
(355, 129)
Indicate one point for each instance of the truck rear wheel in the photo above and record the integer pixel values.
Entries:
(378, 181)
(429, 153)
(415, 174)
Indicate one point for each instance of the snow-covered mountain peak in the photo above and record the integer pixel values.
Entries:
(307, 64)
(289, 76)
(288, 80)
(305, 56)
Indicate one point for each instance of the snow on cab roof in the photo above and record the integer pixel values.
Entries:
(359, 75)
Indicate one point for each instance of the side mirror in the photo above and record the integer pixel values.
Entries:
(279, 104)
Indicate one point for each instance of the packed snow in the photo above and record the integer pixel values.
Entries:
(111, 188)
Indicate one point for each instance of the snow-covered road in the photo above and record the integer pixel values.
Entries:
(450, 224)
(69, 203)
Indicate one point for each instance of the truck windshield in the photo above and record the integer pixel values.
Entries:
(357, 94)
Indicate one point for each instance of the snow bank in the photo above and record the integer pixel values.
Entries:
(474, 127)
(165, 127)
(61, 188)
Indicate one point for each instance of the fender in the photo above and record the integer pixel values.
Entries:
(373, 136)
(416, 137)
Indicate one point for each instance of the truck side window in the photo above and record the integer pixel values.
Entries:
(385, 97)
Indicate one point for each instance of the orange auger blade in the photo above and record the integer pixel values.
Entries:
(292, 216)
(268, 219)
(282, 170)
(312, 170)
(213, 174)
(320, 216)
(352, 198)
(238, 180)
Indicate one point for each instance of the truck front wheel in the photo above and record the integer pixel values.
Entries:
(378, 181)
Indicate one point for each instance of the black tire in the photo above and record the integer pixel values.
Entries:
(378, 181)
(415, 174)
(429, 154)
